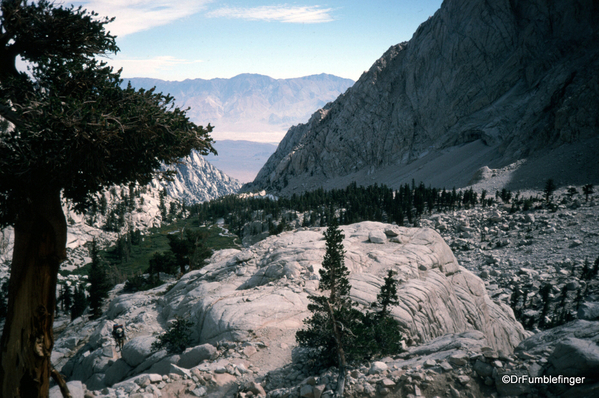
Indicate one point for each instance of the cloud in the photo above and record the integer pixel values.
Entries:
(137, 15)
(158, 67)
(281, 13)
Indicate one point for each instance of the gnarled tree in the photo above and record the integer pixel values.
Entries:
(73, 132)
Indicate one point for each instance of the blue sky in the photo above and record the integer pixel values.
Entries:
(189, 39)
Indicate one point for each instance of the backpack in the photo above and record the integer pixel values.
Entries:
(119, 333)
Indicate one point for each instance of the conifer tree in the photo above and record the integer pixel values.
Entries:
(550, 187)
(587, 190)
(79, 302)
(380, 334)
(99, 284)
(75, 130)
(66, 298)
(333, 316)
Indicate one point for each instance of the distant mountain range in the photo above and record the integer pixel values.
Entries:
(481, 83)
(249, 106)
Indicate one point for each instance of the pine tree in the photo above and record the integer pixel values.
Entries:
(387, 297)
(380, 334)
(333, 317)
(79, 302)
(550, 187)
(586, 273)
(587, 190)
(67, 298)
(99, 284)
(544, 292)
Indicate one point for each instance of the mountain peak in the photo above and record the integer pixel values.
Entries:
(479, 84)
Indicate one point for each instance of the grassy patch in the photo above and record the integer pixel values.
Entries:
(137, 257)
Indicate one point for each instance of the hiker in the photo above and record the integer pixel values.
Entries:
(118, 332)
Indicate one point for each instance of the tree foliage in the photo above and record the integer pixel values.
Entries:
(587, 190)
(79, 302)
(550, 187)
(99, 283)
(176, 339)
(337, 328)
(74, 131)
(76, 128)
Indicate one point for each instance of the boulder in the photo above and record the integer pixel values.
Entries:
(193, 356)
(574, 357)
(436, 290)
(136, 350)
(377, 367)
(151, 360)
(163, 367)
(483, 369)
(547, 340)
(101, 335)
(377, 237)
(589, 311)
(117, 372)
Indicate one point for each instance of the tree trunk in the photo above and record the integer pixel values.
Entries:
(340, 353)
(27, 339)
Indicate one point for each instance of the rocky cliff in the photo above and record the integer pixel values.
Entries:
(479, 84)
(198, 181)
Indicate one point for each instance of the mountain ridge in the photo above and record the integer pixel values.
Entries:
(495, 83)
(250, 106)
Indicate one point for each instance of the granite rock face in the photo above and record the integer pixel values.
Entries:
(266, 285)
(480, 83)
(198, 181)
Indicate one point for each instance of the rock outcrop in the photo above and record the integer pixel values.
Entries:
(197, 180)
(267, 286)
(479, 84)
(249, 295)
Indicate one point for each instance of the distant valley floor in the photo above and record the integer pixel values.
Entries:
(241, 159)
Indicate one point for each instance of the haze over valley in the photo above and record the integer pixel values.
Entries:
(254, 110)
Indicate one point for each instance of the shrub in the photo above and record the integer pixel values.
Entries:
(176, 339)
(550, 187)
(140, 283)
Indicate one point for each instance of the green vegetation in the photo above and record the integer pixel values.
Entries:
(587, 190)
(550, 187)
(544, 312)
(176, 339)
(74, 131)
(99, 283)
(349, 205)
(79, 302)
(126, 259)
(338, 332)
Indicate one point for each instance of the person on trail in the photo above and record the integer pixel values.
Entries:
(118, 332)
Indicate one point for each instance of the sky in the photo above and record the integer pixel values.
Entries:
(206, 39)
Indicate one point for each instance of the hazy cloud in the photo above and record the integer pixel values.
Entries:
(281, 13)
(157, 66)
(138, 15)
